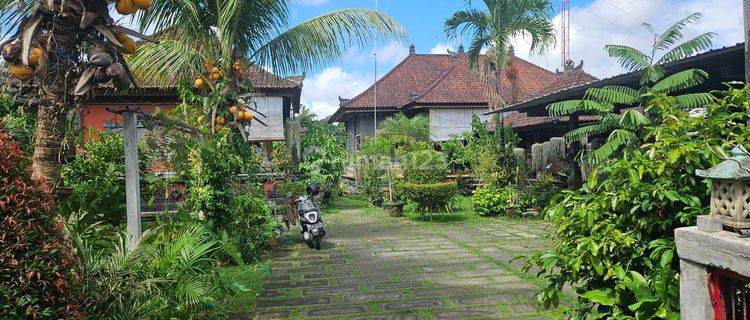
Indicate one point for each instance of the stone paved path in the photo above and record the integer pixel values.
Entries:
(375, 267)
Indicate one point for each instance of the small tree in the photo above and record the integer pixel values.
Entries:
(604, 102)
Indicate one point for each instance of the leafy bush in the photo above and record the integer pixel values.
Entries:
(425, 166)
(615, 244)
(252, 224)
(429, 196)
(371, 175)
(97, 179)
(296, 188)
(38, 277)
(19, 122)
(491, 200)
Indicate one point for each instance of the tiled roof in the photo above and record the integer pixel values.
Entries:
(445, 79)
(565, 80)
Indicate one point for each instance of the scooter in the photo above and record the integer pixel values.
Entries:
(310, 219)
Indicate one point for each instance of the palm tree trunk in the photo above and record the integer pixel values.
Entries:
(55, 101)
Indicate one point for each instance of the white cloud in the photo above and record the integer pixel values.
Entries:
(388, 55)
(619, 22)
(321, 92)
(310, 2)
(441, 48)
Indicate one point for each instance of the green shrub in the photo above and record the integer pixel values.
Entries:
(296, 188)
(371, 174)
(38, 276)
(429, 196)
(424, 166)
(253, 225)
(492, 200)
(615, 237)
(97, 179)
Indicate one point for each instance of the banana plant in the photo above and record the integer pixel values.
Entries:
(605, 102)
(64, 48)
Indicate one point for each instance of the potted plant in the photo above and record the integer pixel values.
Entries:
(392, 206)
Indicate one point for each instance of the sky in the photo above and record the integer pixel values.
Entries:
(594, 23)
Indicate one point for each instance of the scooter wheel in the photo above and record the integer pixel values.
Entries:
(316, 243)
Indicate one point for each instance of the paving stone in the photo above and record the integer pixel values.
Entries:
(293, 302)
(334, 311)
(410, 305)
(329, 290)
(397, 316)
(272, 315)
(468, 314)
(437, 292)
(522, 308)
(485, 300)
(367, 297)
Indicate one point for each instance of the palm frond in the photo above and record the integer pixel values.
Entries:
(166, 62)
(321, 40)
(674, 33)
(688, 48)
(12, 13)
(567, 107)
(467, 21)
(628, 57)
(694, 100)
(680, 81)
(613, 94)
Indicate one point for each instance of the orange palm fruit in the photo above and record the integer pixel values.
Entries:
(248, 116)
(240, 115)
(142, 4)
(21, 72)
(125, 7)
(199, 83)
(34, 56)
(127, 43)
(233, 109)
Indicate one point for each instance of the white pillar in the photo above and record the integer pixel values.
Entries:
(132, 179)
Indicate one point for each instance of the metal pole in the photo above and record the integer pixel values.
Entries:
(375, 89)
(132, 179)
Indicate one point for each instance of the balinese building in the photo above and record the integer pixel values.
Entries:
(443, 87)
(277, 98)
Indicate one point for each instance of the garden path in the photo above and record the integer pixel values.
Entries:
(375, 267)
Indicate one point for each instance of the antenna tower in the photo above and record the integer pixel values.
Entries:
(565, 30)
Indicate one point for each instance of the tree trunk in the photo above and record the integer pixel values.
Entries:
(55, 102)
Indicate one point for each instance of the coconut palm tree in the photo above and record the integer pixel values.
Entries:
(44, 47)
(667, 47)
(494, 28)
(194, 33)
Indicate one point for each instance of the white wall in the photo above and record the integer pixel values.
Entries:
(447, 121)
(273, 108)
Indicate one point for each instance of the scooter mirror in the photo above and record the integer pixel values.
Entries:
(313, 188)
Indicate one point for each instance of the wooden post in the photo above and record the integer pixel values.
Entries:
(132, 179)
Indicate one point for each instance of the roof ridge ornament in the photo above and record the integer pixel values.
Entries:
(412, 49)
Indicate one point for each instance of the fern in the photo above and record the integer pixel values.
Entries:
(567, 107)
(578, 134)
(632, 118)
(613, 94)
(616, 140)
(629, 58)
(674, 33)
(688, 48)
(694, 100)
(681, 81)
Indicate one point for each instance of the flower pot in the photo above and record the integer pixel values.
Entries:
(394, 209)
